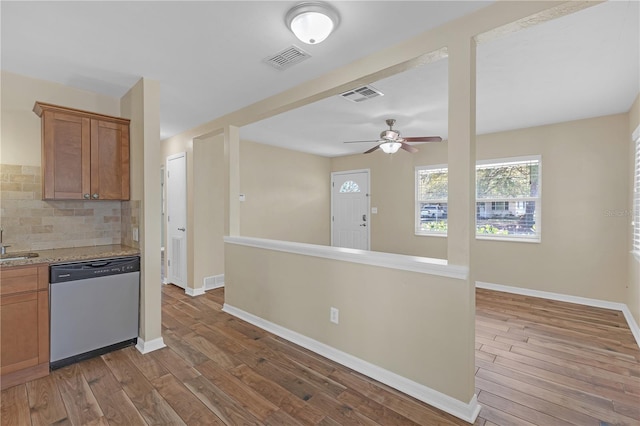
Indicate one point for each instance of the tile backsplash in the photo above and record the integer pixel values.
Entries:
(33, 224)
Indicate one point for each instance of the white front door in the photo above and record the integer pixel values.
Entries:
(177, 219)
(350, 209)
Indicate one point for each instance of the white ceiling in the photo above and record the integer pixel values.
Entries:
(207, 57)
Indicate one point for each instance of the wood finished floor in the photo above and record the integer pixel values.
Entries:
(538, 362)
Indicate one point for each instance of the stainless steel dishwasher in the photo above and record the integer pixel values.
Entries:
(94, 308)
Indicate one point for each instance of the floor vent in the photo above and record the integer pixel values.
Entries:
(362, 94)
(214, 281)
(286, 58)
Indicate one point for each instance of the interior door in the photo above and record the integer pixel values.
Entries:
(350, 209)
(177, 219)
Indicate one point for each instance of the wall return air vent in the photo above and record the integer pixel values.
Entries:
(362, 94)
(286, 58)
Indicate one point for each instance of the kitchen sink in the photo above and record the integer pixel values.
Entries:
(17, 256)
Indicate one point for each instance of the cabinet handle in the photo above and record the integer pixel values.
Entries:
(86, 196)
(95, 196)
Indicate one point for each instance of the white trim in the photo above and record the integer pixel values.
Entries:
(633, 325)
(424, 265)
(348, 172)
(512, 239)
(150, 346)
(193, 292)
(636, 134)
(465, 411)
(502, 161)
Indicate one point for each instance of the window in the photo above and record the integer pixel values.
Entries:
(507, 199)
(636, 200)
(431, 200)
(500, 205)
(349, 186)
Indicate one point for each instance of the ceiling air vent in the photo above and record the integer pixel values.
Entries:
(286, 58)
(362, 94)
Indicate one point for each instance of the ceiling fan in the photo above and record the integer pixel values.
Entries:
(390, 140)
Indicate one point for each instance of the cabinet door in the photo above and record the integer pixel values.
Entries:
(66, 156)
(109, 160)
(19, 327)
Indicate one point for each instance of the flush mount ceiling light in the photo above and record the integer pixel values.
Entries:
(312, 22)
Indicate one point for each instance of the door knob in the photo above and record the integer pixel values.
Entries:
(95, 196)
(363, 224)
(182, 229)
(86, 196)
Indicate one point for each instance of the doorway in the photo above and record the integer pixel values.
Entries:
(350, 225)
(176, 184)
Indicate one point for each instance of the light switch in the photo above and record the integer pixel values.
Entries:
(136, 237)
(242, 198)
(374, 210)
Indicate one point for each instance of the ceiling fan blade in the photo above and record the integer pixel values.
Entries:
(408, 147)
(375, 140)
(372, 149)
(424, 139)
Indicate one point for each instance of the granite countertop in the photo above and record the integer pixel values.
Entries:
(64, 255)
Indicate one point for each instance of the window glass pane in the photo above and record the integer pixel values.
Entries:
(433, 217)
(511, 180)
(516, 219)
(349, 186)
(432, 184)
(431, 201)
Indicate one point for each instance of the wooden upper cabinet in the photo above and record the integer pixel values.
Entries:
(84, 155)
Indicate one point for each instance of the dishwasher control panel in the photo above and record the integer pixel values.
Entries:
(94, 268)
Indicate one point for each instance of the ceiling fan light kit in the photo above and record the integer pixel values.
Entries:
(390, 147)
(390, 140)
(312, 22)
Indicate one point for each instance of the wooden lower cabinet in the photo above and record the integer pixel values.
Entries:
(24, 323)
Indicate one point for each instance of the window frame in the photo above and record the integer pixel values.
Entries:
(417, 202)
(635, 201)
(537, 238)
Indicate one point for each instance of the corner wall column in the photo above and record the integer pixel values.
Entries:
(462, 164)
(232, 181)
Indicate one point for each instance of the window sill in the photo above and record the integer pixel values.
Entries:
(510, 240)
(440, 235)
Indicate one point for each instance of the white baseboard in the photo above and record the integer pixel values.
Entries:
(150, 346)
(633, 325)
(193, 292)
(465, 411)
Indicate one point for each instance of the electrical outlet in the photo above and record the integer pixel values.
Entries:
(136, 237)
(334, 315)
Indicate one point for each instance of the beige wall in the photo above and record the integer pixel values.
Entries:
(380, 311)
(141, 105)
(208, 208)
(633, 291)
(287, 194)
(20, 134)
(584, 176)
